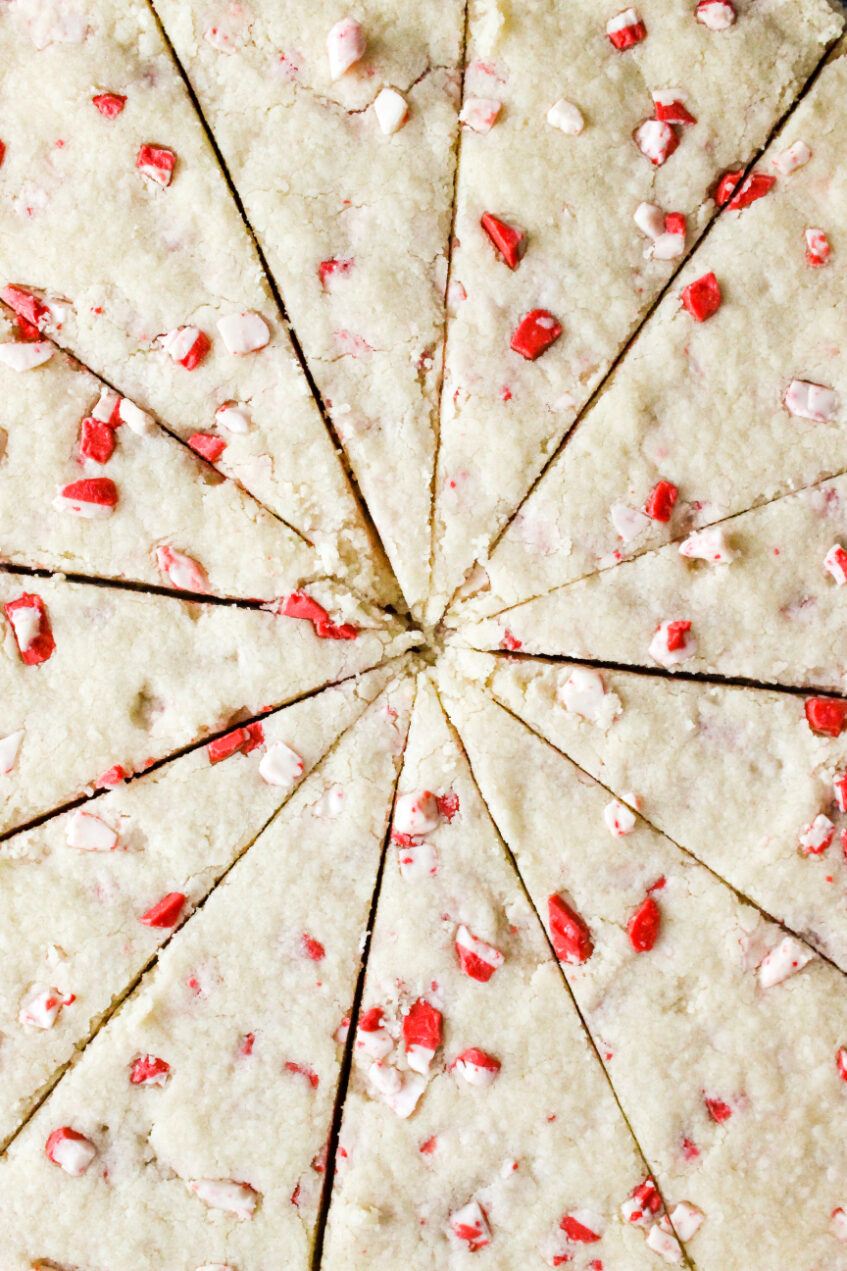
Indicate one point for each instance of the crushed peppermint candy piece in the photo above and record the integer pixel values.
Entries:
(417, 860)
(480, 113)
(838, 1224)
(244, 332)
(148, 1070)
(660, 502)
(805, 400)
(97, 440)
(166, 912)
(509, 241)
(717, 15)
(628, 522)
(656, 141)
(816, 838)
(796, 156)
(583, 692)
(469, 1225)
(839, 786)
(42, 1010)
(222, 1193)
(345, 46)
(31, 627)
(187, 345)
(10, 746)
(26, 357)
(281, 766)
(709, 545)
(156, 163)
(421, 1035)
(391, 110)
(685, 1219)
(401, 1092)
(841, 1062)
(477, 959)
(784, 960)
(702, 298)
(476, 1067)
(671, 243)
(626, 29)
(569, 932)
(754, 187)
(826, 715)
(650, 219)
(372, 1037)
(670, 108)
(234, 417)
(643, 1205)
(34, 311)
(643, 926)
(416, 814)
(182, 571)
(110, 105)
(818, 250)
(619, 818)
(91, 497)
(582, 1227)
(90, 833)
(207, 445)
(672, 642)
(567, 117)
(535, 333)
(664, 1243)
(71, 1151)
(299, 605)
(136, 419)
(238, 741)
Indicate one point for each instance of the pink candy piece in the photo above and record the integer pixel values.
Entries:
(182, 571)
(71, 1151)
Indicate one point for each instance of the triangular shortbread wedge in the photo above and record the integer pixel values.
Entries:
(724, 1037)
(207, 1100)
(347, 178)
(99, 872)
(709, 415)
(758, 596)
(86, 491)
(116, 215)
(97, 676)
(478, 1120)
(749, 781)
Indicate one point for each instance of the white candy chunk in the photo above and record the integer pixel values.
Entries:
(687, 1219)
(717, 15)
(583, 693)
(345, 46)
(183, 572)
(650, 219)
(74, 1155)
(244, 332)
(665, 1244)
(668, 246)
(470, 1225)
(223, 1193)
(106, 403)
(41, 1010)
(404, 1101)
(280, 766)
(417, 861)
(26, 624)
(784, 960)
(89, 510)
(816, 838)
(416, 813)
(567, 117)
(476, 1068)
(654, 139)
(136, 419)
(330, 803)
(233, 416)
(391, 111)
(628, 522)
(385, 1079)
(25, 357)
(419, 1058)
(480, 113)
(88, 832)
(838, 1224)
(811, 401)
(9, 749)
(667, 634)
(627, 18)
(179, 342)
(619, 818)
(709, 545)
(792, 158)
(479, 948)
(375, 1043)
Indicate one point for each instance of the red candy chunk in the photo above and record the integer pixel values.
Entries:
(717, 1109)
(660, 503)
(535, 333)
(702, 297)
(510, 642)
(643, 926)
(334, 268)
(312, 948)
(756, 186)
(110, 105)
(421, 1035)
(826, 715)
(91, 497)
(28, 307)
(239, 741)
(477, 959)
(670, 110)
(818, 249)
(509, 241)
(70, 1150)
(448, 805)
(149, 1071)
(112, 777)
(626, 29)
(165, 912)
(156, 163)
(569, 932)
(207, 445)
(577, 1231)
(2, 152)
(676, 634)
(470, 1226)
(841, 1062)
(299, 605)
(97, 441)
(675, 223)
(31, 625)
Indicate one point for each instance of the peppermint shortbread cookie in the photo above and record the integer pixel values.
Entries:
(103, 871)
(92, 677)
(193, 1130)
(713, 410)
(757, 596)
(478, 1127)
(750, 782)
(339, 130)
(82, 477)
(724, 1037)
(162, 291)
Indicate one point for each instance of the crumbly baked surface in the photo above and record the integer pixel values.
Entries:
(423, 689)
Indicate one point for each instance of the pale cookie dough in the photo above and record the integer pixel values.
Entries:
(708, 406)
(176, 521)
(220, 1158)
(133, 677)
(175, 831)
(736, 776)
(762, 593)
(478, 1118)
(355, 220)
(723, 1036)
(136, 260)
